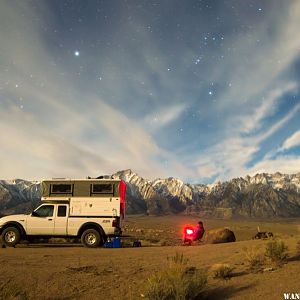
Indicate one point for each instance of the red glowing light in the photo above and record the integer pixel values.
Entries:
(189, 231)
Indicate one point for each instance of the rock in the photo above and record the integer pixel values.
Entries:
(263, 235)
(268, 270)
(220, 235)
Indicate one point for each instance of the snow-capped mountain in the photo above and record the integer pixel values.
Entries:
(262, 195)
(18, 196)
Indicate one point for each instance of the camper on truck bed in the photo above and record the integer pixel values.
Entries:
(89, 209)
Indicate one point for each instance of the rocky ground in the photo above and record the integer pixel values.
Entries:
(74, 272)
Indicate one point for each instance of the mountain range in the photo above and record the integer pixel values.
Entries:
(259, 196)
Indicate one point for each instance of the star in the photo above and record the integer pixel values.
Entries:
(76, 53)
(210, 92)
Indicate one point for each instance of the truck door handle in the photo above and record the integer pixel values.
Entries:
(49, 219)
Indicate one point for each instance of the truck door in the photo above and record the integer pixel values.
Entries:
(61, 219)
(41, 221)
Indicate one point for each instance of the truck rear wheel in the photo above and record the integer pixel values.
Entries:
(11, 236)
(91, 238)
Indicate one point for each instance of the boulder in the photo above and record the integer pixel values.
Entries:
(219, 235)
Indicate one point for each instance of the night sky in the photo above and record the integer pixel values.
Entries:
(199, 90)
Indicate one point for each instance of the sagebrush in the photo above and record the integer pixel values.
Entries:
(222, 271)
(254, 259)
(10, 290)
(176, 281)
(276, 251)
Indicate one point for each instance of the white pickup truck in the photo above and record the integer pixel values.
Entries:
(89, 209)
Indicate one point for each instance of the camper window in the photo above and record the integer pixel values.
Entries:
(102, 188)
(61, 189)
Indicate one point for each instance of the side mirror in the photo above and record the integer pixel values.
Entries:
(34, 214)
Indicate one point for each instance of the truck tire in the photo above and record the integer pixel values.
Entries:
(91, 238)
(11, 236)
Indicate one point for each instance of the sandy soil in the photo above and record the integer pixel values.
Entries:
(74, 272)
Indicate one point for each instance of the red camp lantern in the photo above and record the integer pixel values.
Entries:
(188, 234)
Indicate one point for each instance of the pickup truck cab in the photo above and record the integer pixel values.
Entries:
(90, 209)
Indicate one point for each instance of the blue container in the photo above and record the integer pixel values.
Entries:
(116, 242)
(113, 243)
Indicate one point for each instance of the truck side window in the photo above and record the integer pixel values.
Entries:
(45, 211)
(62, 211)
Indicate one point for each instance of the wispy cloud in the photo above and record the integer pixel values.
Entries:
(121, 107)
(283, 164)
(252, 100)
(291, 142)
(267, 107)
(229, 157)
(164, 116)
(48, 130)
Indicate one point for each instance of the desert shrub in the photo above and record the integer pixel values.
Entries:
(9, 290)
(276, 251)
(254, 259)
(222, 271)
(176, 281)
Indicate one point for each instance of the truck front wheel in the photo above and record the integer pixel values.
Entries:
(11, 236)
(90, 238)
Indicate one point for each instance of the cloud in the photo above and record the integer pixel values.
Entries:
(50, 127)
(251, 100)
(266, 108)
(291, 142)
(229, 158)
(164, 116)
(257, 66)
(278, 125)
(283, 164)
(55, 122)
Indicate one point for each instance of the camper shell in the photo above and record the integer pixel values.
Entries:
(88, 197)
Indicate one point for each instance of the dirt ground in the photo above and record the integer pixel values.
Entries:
(74, 272)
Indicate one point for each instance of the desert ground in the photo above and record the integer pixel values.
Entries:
(68, 271)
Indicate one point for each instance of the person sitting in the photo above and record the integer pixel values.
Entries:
(198, 231)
